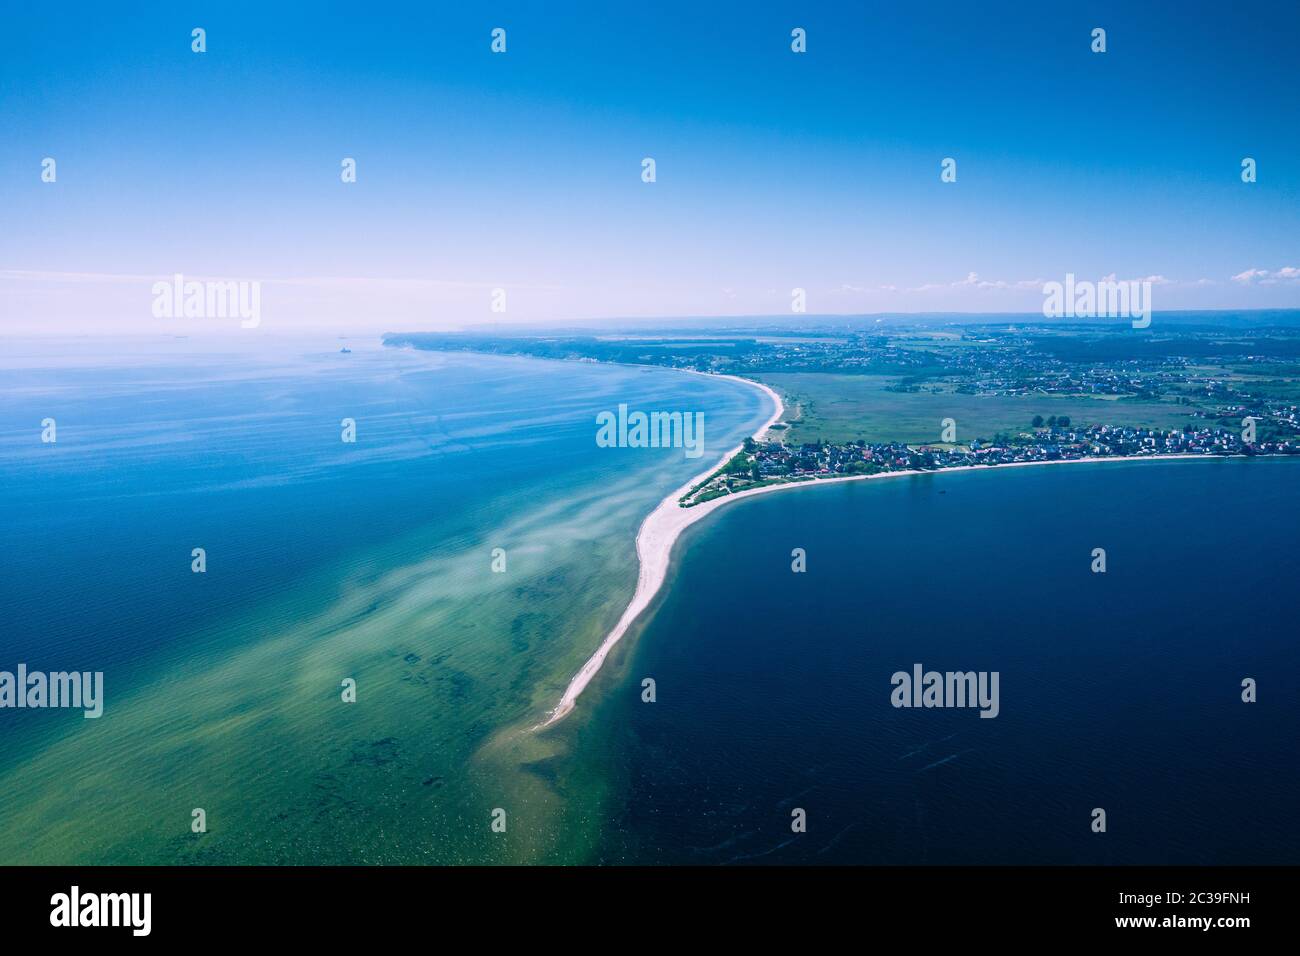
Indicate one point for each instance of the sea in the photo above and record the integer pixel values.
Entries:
(357, 673)
(1119, 690)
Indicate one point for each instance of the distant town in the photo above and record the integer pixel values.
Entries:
(869, 395)
(772, 462)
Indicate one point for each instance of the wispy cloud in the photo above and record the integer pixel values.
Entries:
(359, 283)
(1265, 277)
(974, 281)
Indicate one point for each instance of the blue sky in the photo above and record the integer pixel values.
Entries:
(522, 171)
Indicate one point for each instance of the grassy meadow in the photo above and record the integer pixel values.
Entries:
(836, 408)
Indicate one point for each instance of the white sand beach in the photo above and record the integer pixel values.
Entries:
(654, 544)
(661, 528)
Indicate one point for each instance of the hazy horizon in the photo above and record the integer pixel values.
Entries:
(737, 324)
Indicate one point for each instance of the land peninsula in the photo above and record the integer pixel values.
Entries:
(1216, 400)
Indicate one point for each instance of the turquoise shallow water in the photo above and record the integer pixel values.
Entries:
(325, 560)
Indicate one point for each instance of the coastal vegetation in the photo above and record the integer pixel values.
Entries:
(996, 380)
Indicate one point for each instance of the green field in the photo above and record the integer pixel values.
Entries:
(839, 408)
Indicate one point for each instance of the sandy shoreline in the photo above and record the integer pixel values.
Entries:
(662, 527)
(654, 544)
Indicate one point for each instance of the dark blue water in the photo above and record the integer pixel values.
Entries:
(1119, 690)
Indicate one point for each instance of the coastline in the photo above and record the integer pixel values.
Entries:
(654, 544)
(662, 527)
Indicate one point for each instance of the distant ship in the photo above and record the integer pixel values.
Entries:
(345, 350)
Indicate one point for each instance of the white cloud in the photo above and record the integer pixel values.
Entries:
(974, 281)
(324, 283)
(1154, 280)
(1265, 277)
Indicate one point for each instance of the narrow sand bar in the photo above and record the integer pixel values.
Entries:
(661, 528)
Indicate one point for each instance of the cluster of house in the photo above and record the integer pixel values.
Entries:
(772, 461)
